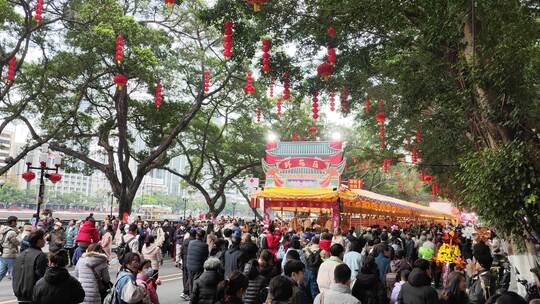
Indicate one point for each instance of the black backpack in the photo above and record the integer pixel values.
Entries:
(314, 260)
(124, 249)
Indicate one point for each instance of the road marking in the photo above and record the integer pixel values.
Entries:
(162, 281)
(165, 276)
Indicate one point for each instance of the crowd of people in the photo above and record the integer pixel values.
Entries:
(231, 261)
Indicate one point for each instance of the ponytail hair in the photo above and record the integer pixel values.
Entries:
(227, 288)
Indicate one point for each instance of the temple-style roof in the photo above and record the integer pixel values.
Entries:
(304, 148)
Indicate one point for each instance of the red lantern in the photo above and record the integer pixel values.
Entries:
(206, 82)
(158, 95)
(120, 80)
(294, 136)
(386, 165)
(28, 176)
(414, 155)
(55, 177)
(313, 130)
(227, 52)
(266, 56)
(331, 32)
(256, 4)
(286, 85)
(332, 101)
(331, 56)
(119, 49)
(325, 70)
(344, 99)
(315, 105)
(170, 2)
(279, 106)
(11, 69)
(367, 104)
(258, 115)
(428, 179)
(39, 11)
(249, 89)
(380, 117)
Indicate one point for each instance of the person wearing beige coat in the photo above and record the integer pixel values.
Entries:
(151, 251)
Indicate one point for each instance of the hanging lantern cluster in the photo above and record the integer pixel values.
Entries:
(315, 105)
(120, 80)
(368, 104)
(119, 49)
(344, 99)
(249, 88)
(279, 106)
(325, 70)
(227, 46)
(206, 82)
(332, 101)
(258, 115)
(286, 85)
(11, 69)
(39, 11)
(266, 55)
(158, 95)
(256, 4)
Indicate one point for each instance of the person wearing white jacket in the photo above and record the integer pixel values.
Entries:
(339, 291)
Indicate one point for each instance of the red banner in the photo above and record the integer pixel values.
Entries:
(304, 162)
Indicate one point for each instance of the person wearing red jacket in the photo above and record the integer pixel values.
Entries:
(88, 233)
(272, 237)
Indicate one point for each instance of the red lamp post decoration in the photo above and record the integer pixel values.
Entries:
(331, 32)
(249, 89)
(206, 82)
(157, 100)
(332, 101)
(227, 52)
(11, 69)
(266, 55)
(55, 177)
(39, 11)
(344, 99)
(278, 106)
(325, 70)
(120, 80)
(119, 49)
(331, 56)
(286, 85)
(256, 4)
(28, 176)
(315, 105)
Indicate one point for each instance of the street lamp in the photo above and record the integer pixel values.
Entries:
(233, 208)
(112, 200)
(54, 177)
(185, 206)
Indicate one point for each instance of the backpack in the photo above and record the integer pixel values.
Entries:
(124, 249)
(314, 260)
(3, 240)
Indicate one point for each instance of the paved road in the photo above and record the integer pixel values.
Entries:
(168, 292)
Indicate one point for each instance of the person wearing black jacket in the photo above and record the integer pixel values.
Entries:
(184, 254)
(256, 292)
(418, 289)
(233, 256)
(197, 254)
(58, 286)
(29, 267)
(248, 247)
(368, 287)
(205, 287)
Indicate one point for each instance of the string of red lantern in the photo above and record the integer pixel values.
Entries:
(279, 106)
(249, 89)
(315, 105)
(228, 39)
(386, 164)
(258, 115)
(380, 117)
(266, 55)
(272, 86)
(206, 82)
(286, 85)
(414, 155)
(367, 104)
(331, 56)
(119, 48)
(256, 4)
(120, 80)
(39, 11)
(332, 101)
(344, 99)
(158, 95)
(11, 69)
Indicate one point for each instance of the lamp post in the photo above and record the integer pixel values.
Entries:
(185, 206)
(112, 200)
(44, 170)
(233, 208)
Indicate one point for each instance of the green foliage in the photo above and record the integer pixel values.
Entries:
(502, 185)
